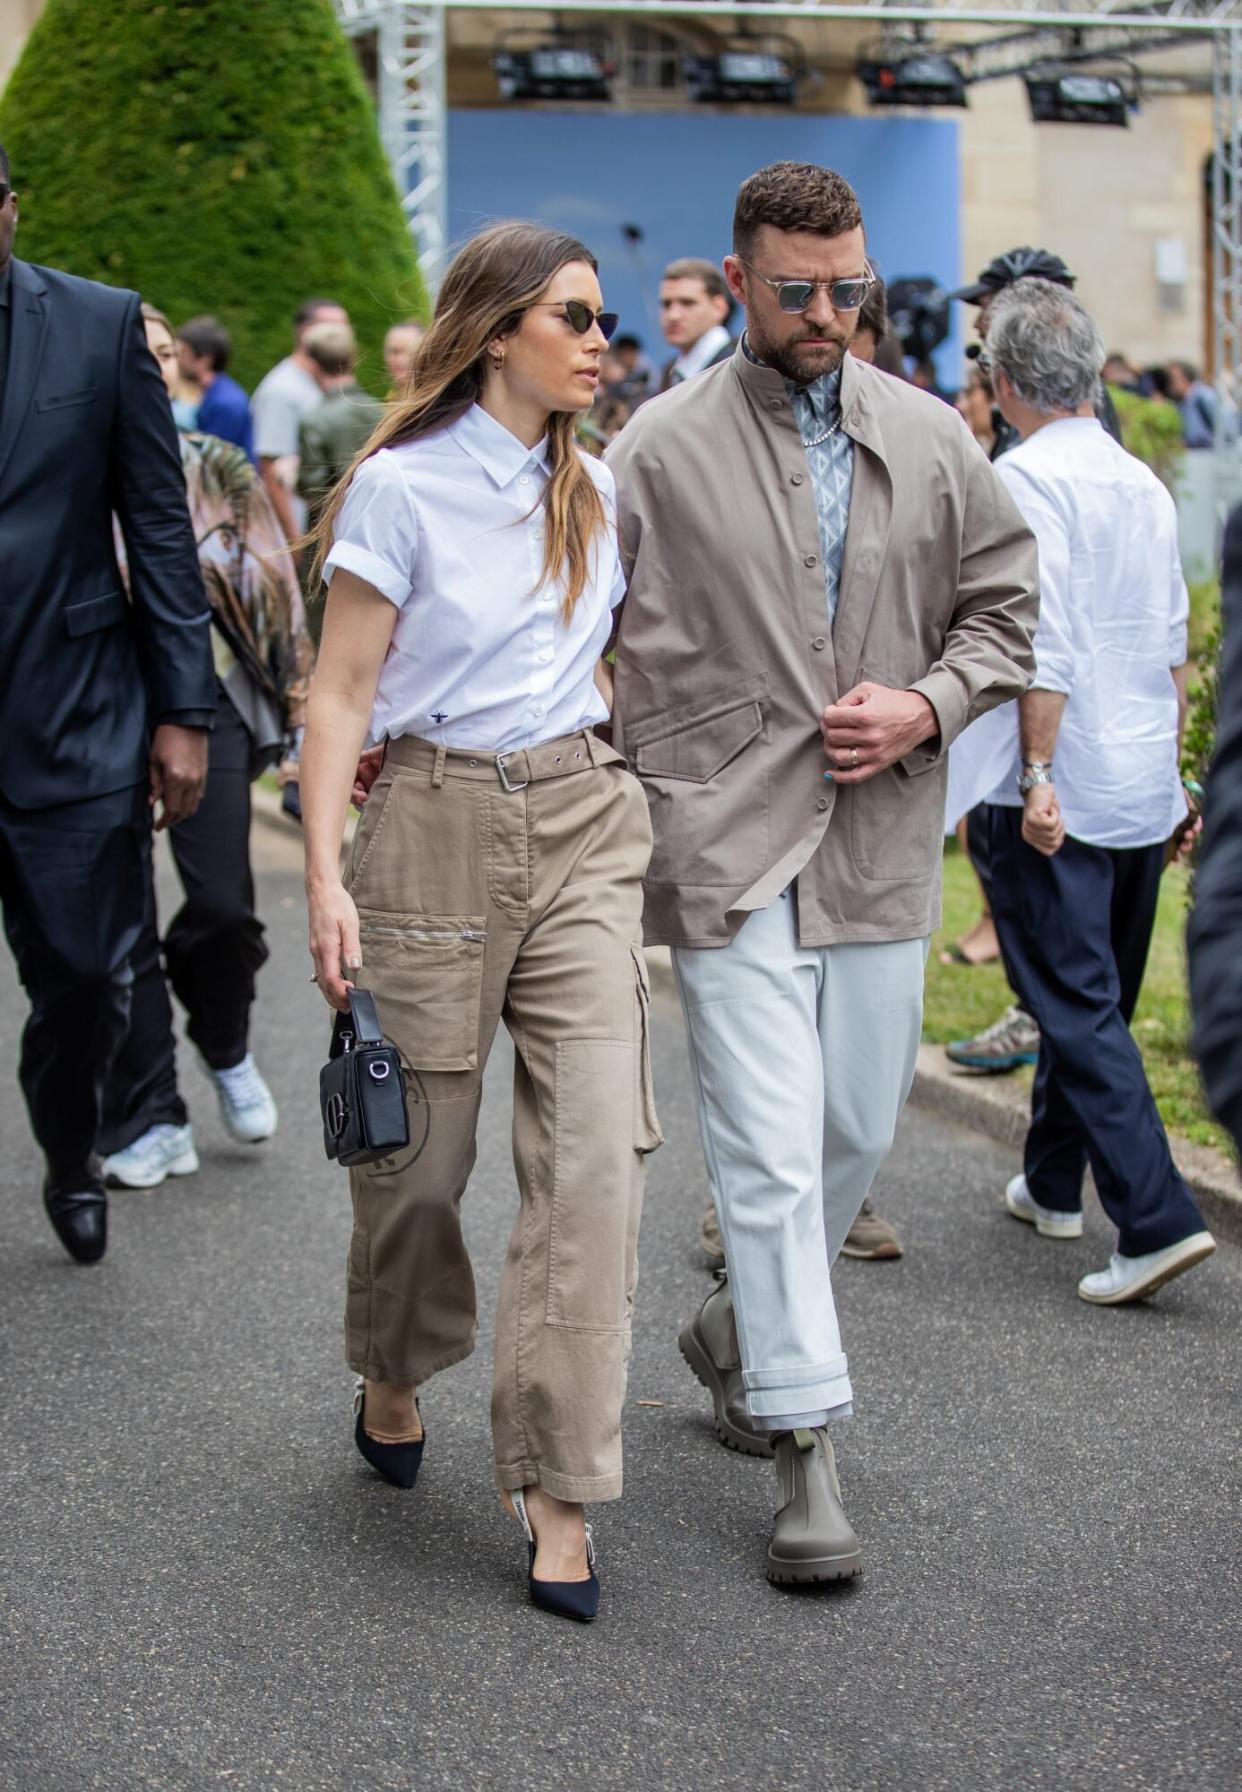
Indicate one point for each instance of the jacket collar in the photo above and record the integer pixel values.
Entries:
(499, 453)
(859, 420)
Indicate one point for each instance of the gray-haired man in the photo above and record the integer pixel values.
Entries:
(1077, 851)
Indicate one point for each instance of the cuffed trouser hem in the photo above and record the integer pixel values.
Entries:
(804, 1421)
(578, 1490)
(776, 1399)
(408, 1374)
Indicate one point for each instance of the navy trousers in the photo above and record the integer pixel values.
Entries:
(1075, 930)
(71, 887)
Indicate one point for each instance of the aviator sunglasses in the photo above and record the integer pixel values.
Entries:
(794, 296)
(580, 316)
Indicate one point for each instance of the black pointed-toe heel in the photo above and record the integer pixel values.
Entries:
(398, 1463)
(578, 1599)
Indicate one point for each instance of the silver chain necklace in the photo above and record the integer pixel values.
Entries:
(817, 441)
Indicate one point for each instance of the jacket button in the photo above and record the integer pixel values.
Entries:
(778, 404)
(809, 560)
(822, 803)
(795, 479)
(819, 643)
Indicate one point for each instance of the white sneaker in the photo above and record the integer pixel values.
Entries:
(161, 1151)
(1134, 1278)
(246, 1104)
(1047, 1221)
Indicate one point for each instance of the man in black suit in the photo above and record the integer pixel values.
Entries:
(1216, 924)
(105, 701)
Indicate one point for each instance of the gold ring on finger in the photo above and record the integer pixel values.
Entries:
(853, 757)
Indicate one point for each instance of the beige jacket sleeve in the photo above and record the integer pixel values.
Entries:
(988, 656)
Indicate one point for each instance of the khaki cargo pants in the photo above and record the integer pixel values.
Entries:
(490, 889)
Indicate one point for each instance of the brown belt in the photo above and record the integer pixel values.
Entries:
(513, 771)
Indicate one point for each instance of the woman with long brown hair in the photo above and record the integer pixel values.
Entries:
(496, 873)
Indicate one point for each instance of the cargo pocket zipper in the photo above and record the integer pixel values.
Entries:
(422, 933)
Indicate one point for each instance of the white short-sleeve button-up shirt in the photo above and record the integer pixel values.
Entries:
(450, 528)
(1112, 622)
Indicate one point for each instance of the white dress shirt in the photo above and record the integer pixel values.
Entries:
(450, 529)
(1113, 610)
(701, 353)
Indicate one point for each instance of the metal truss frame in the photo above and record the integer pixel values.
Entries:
(1226, 217)
(1005, 38)
(413, 111)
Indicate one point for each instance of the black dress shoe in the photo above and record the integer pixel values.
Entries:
(398, 1463)
(79, 1217)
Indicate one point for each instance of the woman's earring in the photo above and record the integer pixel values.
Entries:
(497, 361)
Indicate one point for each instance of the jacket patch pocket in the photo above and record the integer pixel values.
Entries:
(647, 1133)
(426, 972)
(703, 748)
(95, 613)
(896, 825)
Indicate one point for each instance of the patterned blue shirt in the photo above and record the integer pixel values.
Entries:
(831, 464)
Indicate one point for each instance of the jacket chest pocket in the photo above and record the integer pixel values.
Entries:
(426, 972)
(66, 401)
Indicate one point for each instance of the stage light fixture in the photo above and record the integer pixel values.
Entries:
(920, 80)
(1062, 97)
(551, 71)
(738, 75)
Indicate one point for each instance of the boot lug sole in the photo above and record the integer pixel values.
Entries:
(816, 1572)
(729, 1435)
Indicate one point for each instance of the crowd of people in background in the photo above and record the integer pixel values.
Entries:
(317, 388)
(696, 315)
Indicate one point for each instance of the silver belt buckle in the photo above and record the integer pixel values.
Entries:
(503, 770)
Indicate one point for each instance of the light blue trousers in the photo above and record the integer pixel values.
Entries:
(802, 1058)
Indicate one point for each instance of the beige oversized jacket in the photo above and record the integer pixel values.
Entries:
(725, 657)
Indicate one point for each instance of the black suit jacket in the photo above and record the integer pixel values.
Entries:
(85, 432)
(1216, 924)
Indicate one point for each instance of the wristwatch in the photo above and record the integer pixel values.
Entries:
(1035, 771)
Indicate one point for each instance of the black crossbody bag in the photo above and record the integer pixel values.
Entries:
(361, 1088)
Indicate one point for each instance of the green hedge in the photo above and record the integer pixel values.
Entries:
(1151, 428)
(219, 156)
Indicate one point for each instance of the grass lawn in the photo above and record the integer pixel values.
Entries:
(960, 1001)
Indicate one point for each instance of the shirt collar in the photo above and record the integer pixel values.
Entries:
(499, 453)
(696, 358)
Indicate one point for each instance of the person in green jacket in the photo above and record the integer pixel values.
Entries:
(334, 431)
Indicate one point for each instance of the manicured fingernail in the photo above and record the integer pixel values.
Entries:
(827, 777)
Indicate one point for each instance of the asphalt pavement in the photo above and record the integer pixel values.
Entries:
(202, 1585)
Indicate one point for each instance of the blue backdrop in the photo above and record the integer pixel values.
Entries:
(675, 176)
